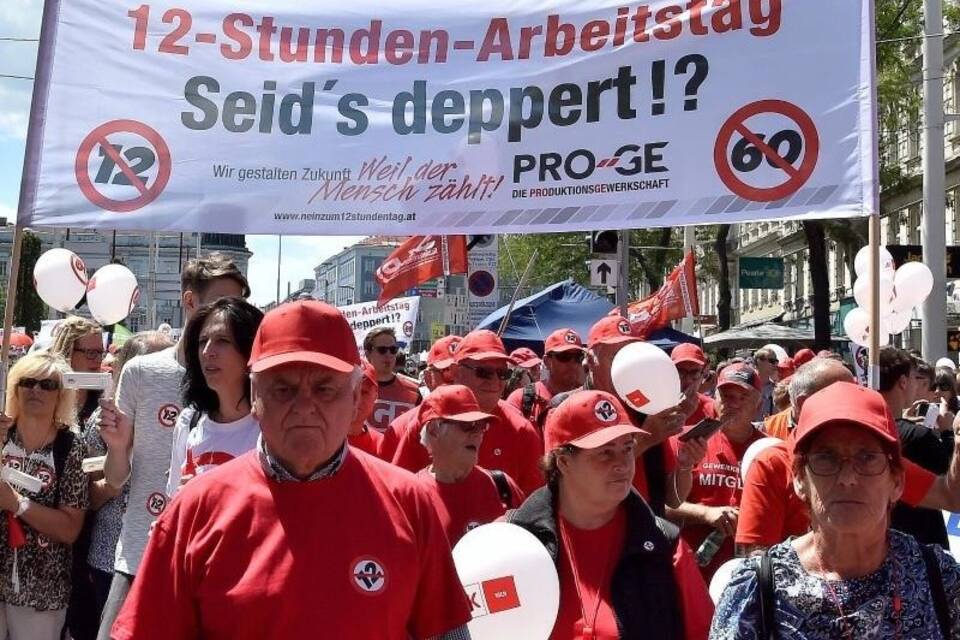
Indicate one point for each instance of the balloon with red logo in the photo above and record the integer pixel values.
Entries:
(645, 378)
(60, 278)
(112, 293)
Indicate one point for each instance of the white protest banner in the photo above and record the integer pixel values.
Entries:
(450, 118)
(399, 313)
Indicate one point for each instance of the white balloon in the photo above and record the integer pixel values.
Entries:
(60, 278)
(897, 321)
(511, 582)
(112, 293)
(948, 363)
(777, 349)
(721, 578)
(914, 282)
(752, 451)
(861, 291)
(645, 378)
(857, 326)
(862, 260)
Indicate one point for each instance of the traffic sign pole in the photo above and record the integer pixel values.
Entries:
(623, 277)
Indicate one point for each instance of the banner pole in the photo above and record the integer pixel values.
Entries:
(516, 292)
(873, 371)
(12, 279)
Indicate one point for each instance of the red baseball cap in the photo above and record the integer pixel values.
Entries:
(688, 352)
(441, 352)
(524, 357)
(304, 331)
(785, 368)
(370, 373)
(587, 419)
(802, 357)
(481, 344)
(850, 404)
(563, 340)
(740, 374)
(611, 330)
(453, 402)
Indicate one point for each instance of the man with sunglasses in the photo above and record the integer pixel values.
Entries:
(765, 362)
(512, 444)
(464, 494)
(397, 393)
(563, 360)
(691, 364)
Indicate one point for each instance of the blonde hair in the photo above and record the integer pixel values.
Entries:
(69, 331)
(42, 365)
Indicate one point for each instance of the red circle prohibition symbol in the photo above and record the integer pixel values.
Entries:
(98, 137)
(796, 176)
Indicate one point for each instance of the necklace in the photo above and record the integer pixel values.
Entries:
(589, 624)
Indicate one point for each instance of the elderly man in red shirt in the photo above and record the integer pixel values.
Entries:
(304, 536)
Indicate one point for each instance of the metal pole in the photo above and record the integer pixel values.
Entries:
(516, 293)
(873, 356)
(152, 280)
(279, 255)
(933, 311)
(623, 277)
(12, 282)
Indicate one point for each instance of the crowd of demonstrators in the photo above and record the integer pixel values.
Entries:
(850, 575)
(465, 494)
(137, 428)
(563, 364)
(215, 425)
(624, 572)
(397, 392)
(252, 548)
(40, 526)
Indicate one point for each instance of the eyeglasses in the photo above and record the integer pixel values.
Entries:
(46, 384)
(865, 463)
(567, 356)
(91, 354)
(486, 373)
(385, 350)
(480, 426)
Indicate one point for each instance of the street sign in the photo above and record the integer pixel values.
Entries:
(603, 273)
(761, 273)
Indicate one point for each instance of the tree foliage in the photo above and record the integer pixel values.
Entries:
(30, 309)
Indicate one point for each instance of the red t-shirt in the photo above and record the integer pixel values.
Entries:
(469, 503)
(397, 430)
(771, 511)
(394, 398)
(716, 483)
(238, 555)
(541, 401)
(367, 440)
(706, 408)
(511, 444)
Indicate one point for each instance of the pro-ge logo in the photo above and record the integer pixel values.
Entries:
(605, 411)
(369, 576)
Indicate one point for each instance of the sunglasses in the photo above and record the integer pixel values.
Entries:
(567, 356)
(486, 373)
(46, 384)
(385, 350)
(91, 354)
(480, 426)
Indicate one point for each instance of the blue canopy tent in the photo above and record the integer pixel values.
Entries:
(562, 305)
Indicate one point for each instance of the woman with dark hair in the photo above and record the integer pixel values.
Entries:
(216, 425)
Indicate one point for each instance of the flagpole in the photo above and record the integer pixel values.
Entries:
(12, 282)
(516, 292)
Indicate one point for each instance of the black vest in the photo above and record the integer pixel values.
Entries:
(643, 588)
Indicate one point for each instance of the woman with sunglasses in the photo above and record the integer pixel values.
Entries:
(80, 342)
(850, 576)
(464, 494)
(216, 425)
(40, 525)
(624, 573)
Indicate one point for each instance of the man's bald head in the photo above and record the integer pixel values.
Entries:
(817, 374)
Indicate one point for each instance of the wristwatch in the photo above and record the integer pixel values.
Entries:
(23, 503)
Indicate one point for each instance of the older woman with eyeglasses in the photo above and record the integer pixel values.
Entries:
(851, 576)
(40, 525)
(80, 342)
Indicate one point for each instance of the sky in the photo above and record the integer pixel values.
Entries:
(21, 19)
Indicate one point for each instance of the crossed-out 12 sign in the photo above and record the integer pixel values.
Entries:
(766, 165)
(122, 165)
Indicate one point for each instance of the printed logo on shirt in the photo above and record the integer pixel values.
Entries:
(167, 416)
(156, 503)
(369, 576)
(492, 596)
(42, 541)
(605, 411)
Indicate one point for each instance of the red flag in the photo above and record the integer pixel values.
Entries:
(676, 299)
(419, 259)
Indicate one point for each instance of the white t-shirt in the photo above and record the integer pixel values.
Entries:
(149, 393)
(207, 445)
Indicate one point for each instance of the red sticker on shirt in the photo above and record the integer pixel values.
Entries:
(167, 415)
(369, 576)
(156, 503)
